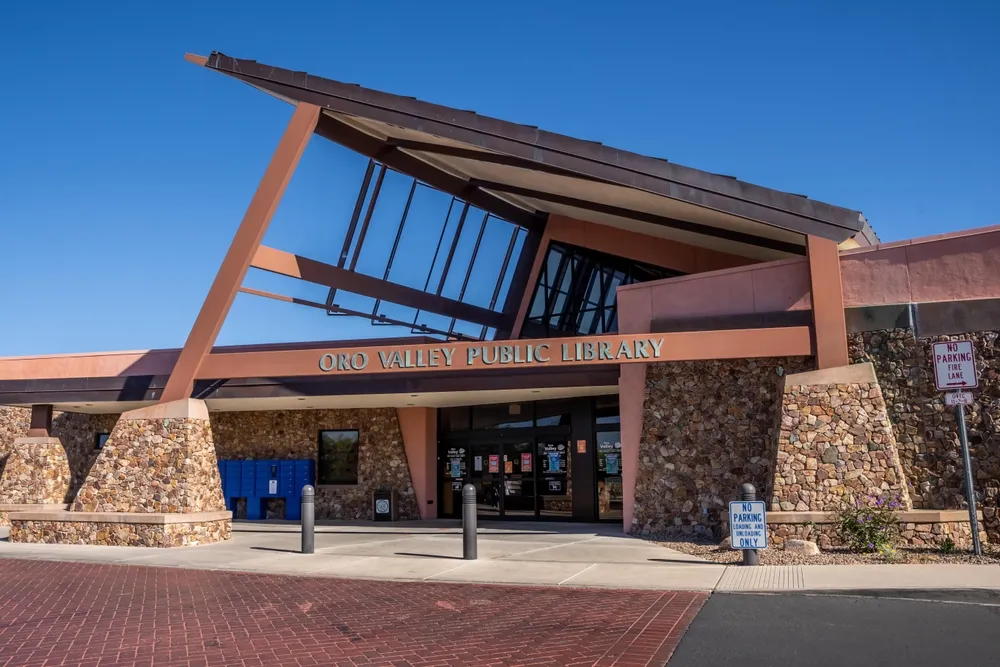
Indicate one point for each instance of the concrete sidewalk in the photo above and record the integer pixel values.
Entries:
(547, 554)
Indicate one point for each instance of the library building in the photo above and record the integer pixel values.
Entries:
(582, 333)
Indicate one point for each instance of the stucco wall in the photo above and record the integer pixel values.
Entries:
(944, 268)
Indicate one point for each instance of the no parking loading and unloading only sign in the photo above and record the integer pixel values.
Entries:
(747, 524)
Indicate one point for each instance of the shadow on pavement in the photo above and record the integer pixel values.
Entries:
(407, 553)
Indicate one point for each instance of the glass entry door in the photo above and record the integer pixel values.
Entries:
(609, 475)
(487, 478)
(504, 476)
(519, 479)
(555, 480)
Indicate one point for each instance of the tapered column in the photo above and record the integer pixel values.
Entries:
(829, 323)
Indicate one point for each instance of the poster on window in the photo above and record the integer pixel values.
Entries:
(611, 463)
(456, 466)
(477, 463)
(554, 458)
(508, 467)
(526, 462)
(494, 463)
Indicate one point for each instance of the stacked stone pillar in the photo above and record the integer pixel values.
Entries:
(36, 477)
(834, 441)
(155, 483)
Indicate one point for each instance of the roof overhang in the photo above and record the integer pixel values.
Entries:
(521, 173)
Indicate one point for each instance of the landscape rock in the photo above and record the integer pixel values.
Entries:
(802, 547)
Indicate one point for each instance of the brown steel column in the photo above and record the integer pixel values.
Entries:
(829, 324)
(245, 243)
(41, 421)
(529, 290)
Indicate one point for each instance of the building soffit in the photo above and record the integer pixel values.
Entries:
(522, 173)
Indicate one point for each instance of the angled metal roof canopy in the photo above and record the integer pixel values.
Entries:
(522, 173)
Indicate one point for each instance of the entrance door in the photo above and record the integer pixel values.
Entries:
(519, 480)
(487, 477)
(555, 479)
(609, 475)
(504, 476)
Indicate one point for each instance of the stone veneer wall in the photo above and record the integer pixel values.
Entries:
(911, 534)
(76, 431)
(294, 434)
(707, 428)
(122, 534)
(925, 428)
(834, 442)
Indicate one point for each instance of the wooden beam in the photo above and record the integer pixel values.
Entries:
(829, 321)
(237, 260)
(291, 265)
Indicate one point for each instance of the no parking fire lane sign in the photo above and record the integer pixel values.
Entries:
(955, 365)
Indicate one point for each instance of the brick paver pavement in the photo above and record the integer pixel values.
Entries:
(96, 615)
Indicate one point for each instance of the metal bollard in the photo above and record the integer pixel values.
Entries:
(308, 519)
(750, 556)
(469, 549)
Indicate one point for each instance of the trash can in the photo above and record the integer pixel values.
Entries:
(384, 505)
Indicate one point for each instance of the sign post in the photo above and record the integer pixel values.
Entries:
(955, 372)
(748, 525)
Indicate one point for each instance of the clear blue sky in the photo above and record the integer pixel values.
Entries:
(124, 170)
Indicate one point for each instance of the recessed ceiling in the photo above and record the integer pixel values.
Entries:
(432, 399)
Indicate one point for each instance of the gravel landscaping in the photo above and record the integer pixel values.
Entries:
(714, 552)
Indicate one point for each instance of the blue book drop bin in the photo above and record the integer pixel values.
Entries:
(259, 480)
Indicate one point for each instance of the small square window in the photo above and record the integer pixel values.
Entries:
(100, 439)
(338, 457)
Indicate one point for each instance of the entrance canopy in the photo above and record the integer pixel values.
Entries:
(523, 174)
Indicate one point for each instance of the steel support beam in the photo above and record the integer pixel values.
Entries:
(294, 266)
(237, 260)
(829, 320)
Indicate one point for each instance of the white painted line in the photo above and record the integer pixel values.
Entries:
(450, 569)
(361, 544)
(898, 599)
(551, 546)
(577, 574)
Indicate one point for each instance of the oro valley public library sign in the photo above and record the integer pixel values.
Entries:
(481, 355)
(601, 349)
